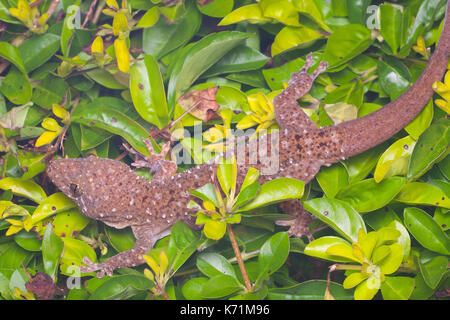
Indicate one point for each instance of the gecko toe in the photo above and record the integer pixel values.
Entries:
(298, 227)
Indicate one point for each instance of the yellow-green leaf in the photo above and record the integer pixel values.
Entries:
(122, 54)
(28, 189)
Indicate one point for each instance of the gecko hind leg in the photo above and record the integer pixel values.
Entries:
(299, 226)
(288, 113)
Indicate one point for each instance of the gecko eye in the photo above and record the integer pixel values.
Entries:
(75, 190)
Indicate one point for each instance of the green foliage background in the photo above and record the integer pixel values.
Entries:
(56, 84)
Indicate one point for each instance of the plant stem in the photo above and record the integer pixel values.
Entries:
(161, 291)
(235, 246)
(347, 267)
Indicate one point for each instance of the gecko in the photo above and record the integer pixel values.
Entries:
(109, 191)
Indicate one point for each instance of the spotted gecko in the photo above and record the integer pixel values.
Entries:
(109, 191)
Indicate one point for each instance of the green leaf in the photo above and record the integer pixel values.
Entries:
(220, 286)
(12, 257)
(231, 98)
(104, 78)
(395, 160)
(206, 193)
(392, 25)
(241, 58)
(273, 254)
(121, 287)
(367, 289)
(165, 37)
(251, 13)
(69, 222)
(149, 18)
(74, 252)
(275, 191)
(319, 248)
(57, 202)
(11, 53)
(247, 194)
(28, 189)
(192, 289)
(432, 144)
(16, 87)
(215, 229)
(294, 37)
(332, 179)
(198, 58)
(421, 291)
(393, 260)
(182, 244)
(423, 193)
(432, 267)
(342, 250)
(114, 122)
(367, 195)
(120, 239)
(345, 43)
(397, 288)
(276, 76)
(423, 120)
(226, 174)
(212, 264)
(28, 240)
(359, 166)
(216, 8)
(51, 90)
(426, 231)
(38, 50)
(310, 290)
(394, 77)
(424, 19)
(338, 214)
(404, 238)
(357, 10)
(52, 248)
(147, 91)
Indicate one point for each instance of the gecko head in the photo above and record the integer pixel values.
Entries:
(82, 178)
(69, 175)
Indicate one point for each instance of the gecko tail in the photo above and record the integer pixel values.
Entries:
(361, 134)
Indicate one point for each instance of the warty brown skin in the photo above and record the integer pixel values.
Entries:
(109, 191)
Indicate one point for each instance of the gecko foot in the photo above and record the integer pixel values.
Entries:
(92, 267)
(159, 167)
(298, 227)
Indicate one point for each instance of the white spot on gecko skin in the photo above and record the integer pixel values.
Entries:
(129, 217)
(131, 202)
(113, 209)
(163, 216)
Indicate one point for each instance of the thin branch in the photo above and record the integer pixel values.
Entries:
(52, 7)
(89, 13)
(237, 253)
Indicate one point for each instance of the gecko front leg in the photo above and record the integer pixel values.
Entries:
(288, 113)
(146, 236)
(159, 167)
